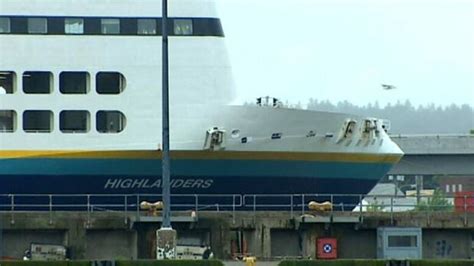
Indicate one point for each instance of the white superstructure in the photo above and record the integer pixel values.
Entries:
(56, 41)
(80, 111)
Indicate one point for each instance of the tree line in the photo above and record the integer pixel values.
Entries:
(406, 118)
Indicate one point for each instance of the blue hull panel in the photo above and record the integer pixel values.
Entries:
(222, 168)
(103, 176)
(181, 185)
(143, 176)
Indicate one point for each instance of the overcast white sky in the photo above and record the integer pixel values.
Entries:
(343, 50)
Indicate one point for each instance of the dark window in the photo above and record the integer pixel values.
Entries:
(7, 121)
(19, 25)
(110, 26)
(74, 82)
(55, 26)
(147, 26)
(37, 82)
(7, 82)
(37, 25)
(74, 121)
(128, 26)
(402, 241)
(38, 121)
(5, 25)
(74, 26)
(183, 26)
(92, 26)
(110, 121)
(207, 27)
(109, 83)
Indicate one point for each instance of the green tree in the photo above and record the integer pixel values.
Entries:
(374, 206)
(437, 202)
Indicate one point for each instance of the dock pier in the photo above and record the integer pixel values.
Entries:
(264, 234)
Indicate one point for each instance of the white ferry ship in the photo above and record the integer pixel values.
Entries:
(80, 110)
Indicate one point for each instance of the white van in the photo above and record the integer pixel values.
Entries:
(45, 252)
(193, 253)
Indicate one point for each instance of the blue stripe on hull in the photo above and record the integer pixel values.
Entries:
(181, 185)
(221, 168)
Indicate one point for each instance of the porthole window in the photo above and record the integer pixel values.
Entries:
(37, 25)
(146, 26)
(110, 26)
(183, 27)
(74, 26)
(7, 82)
(38, 121)
(37, 82)
(74, 82)
(110, 121)
(109, 83)
(235, 133)
(5, 25)
(7, 121)
(74, 121)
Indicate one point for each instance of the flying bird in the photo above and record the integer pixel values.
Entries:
(388, 87)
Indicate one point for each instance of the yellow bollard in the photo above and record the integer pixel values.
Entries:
(152, 207)
(250, 261)
(321, 207)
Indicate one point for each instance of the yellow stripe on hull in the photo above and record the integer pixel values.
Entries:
(204, 155)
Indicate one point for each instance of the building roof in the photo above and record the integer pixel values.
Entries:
(435, 144)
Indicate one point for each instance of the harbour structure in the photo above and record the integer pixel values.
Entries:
(80, 110)
(266, 235)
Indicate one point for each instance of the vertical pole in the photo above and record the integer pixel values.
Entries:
(165, 236)
(395, 183)
(165, 120)
(419, 185)
(391, 210)
(126, 209)
(291, 208)
(1, 236)
(50, 209)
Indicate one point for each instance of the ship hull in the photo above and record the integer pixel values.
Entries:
(203, 173)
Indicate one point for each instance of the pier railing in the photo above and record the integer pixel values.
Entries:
(295, 204)
(115, 202)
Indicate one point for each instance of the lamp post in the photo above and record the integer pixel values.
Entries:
(165, 236)
(1, 236)
(165, 120)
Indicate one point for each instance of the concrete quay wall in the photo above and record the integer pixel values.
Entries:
(267, 235)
